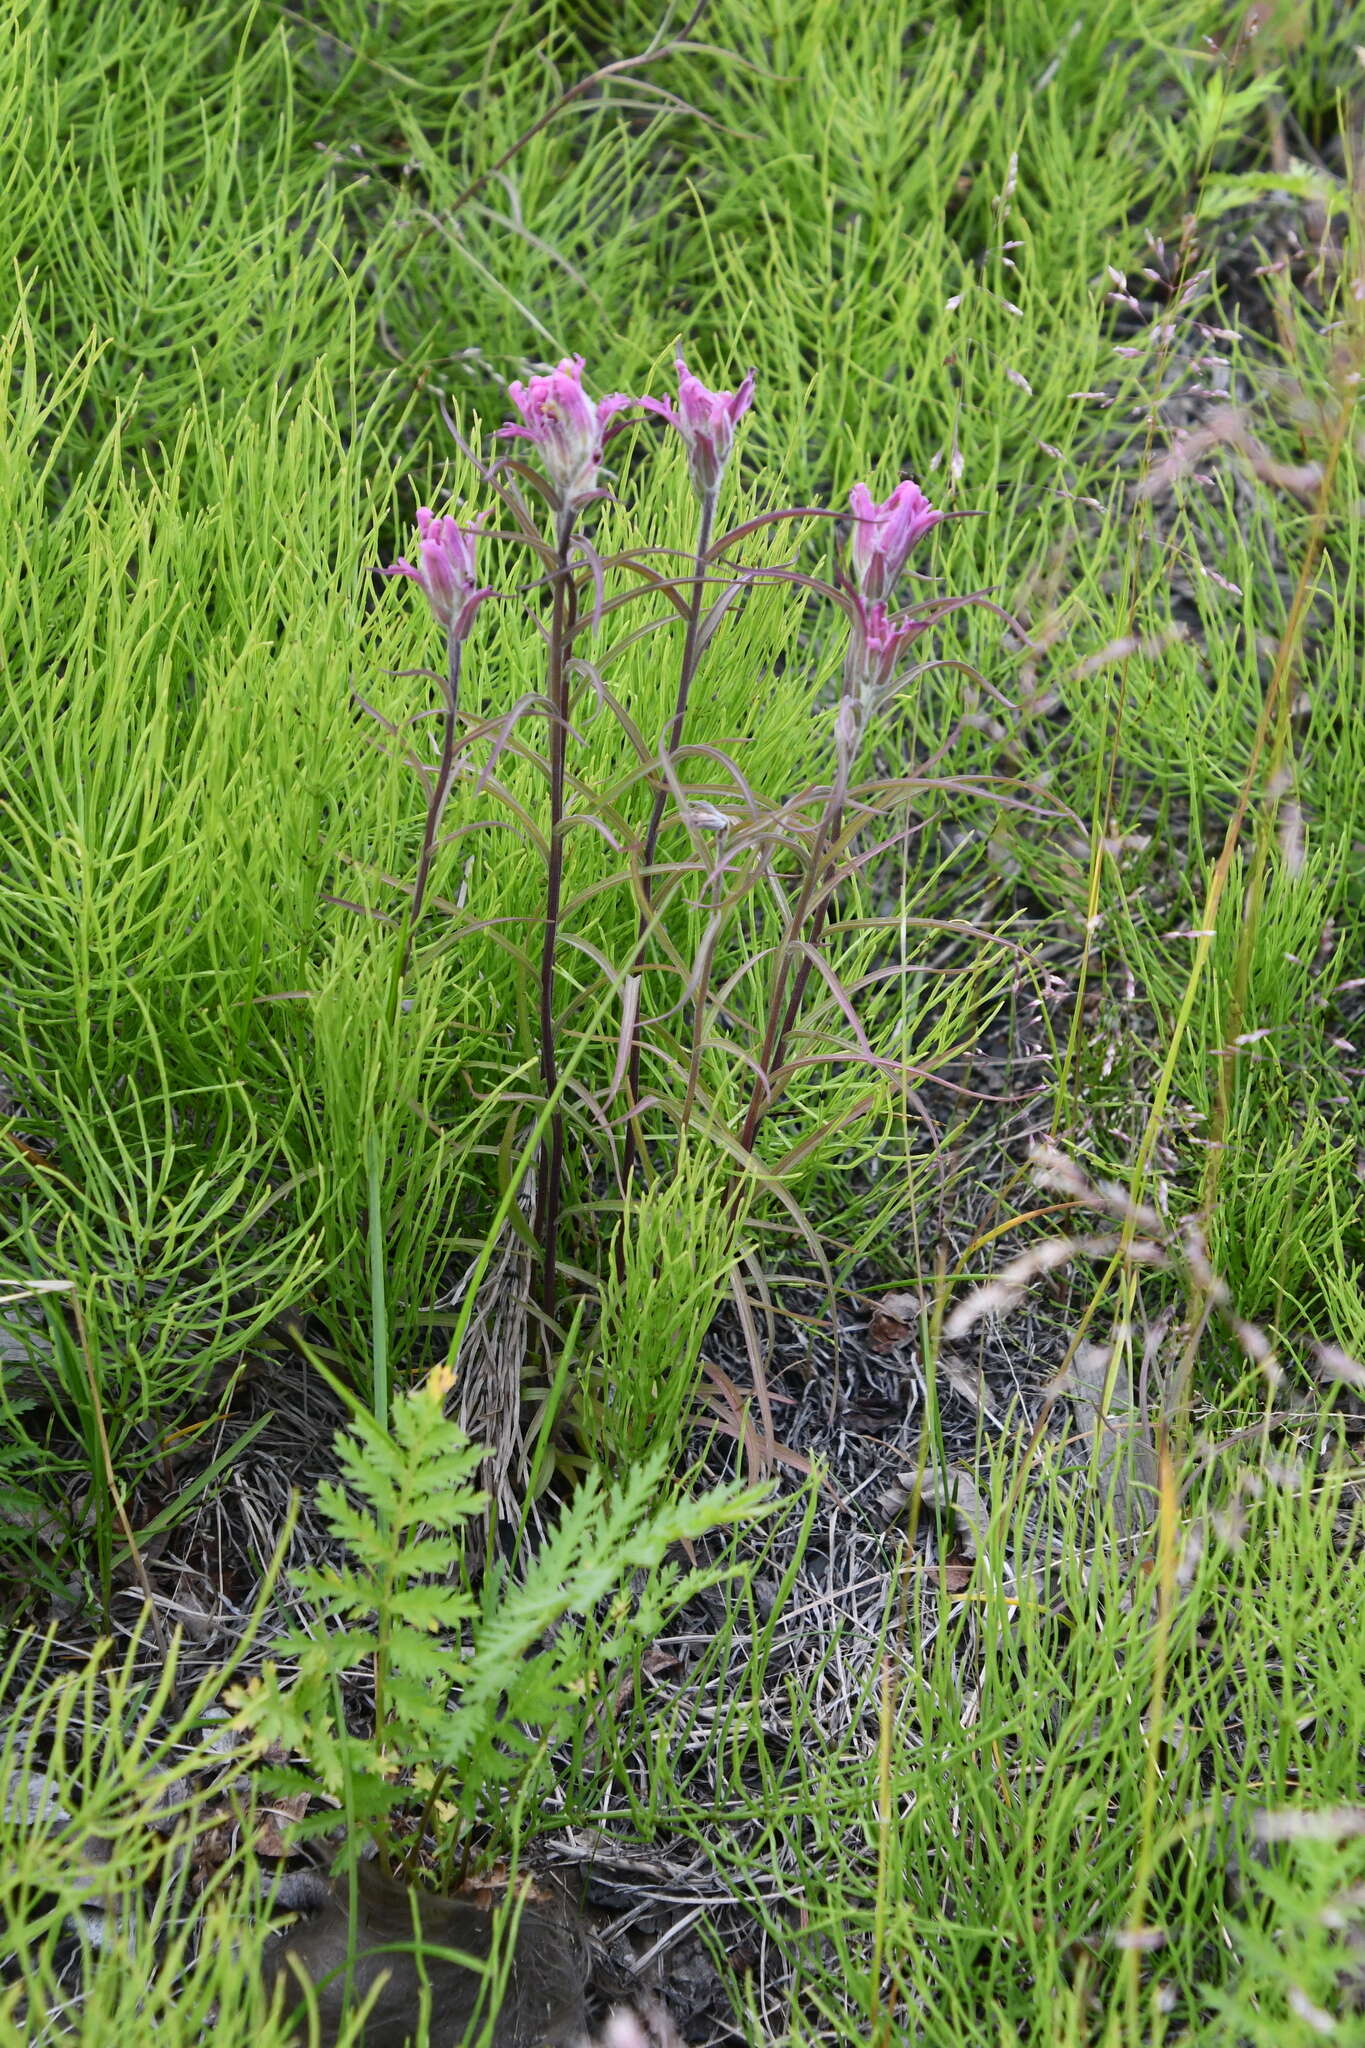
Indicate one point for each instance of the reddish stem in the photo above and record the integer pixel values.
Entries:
(634, 1136)
(561, 625)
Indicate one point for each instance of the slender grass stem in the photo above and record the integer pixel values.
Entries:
(881, 2022)
(1222, 870)
(1137, 1933)
(379, 1316)
(1273, 737)
(1107, 769)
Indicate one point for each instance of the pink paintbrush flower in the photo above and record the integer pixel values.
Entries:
(566, 428)
(445, 570)
(884, 534)
(707, 421)
(878, 644)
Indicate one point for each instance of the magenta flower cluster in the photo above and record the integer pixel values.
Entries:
(569, 432)
(882, 641)
(707, 421)
(445, 570)
(883, 536)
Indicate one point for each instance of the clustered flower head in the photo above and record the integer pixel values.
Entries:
(706, 420)
(445, 570)
(567, 430)
(884, 534)
(879, 642)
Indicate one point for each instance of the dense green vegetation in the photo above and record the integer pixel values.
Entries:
(1081, 1770)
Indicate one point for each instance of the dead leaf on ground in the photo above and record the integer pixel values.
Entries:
(953, 1576)
(958, 1493)
(211, 1851)
(276, 1821)
(895, 1321)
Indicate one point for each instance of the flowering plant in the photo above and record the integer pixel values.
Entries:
(568, 431)
(706, 420)
(445, 570)
(884, 534)
(877, 643)
(756, 840)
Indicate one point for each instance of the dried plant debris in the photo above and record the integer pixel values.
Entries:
(492, 1360)
(1122, 1456)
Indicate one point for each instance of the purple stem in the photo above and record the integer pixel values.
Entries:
(561, 628)
(634, 1137)
(782, 1014)
(436, 803)
(834, 819)
(779, 1022)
